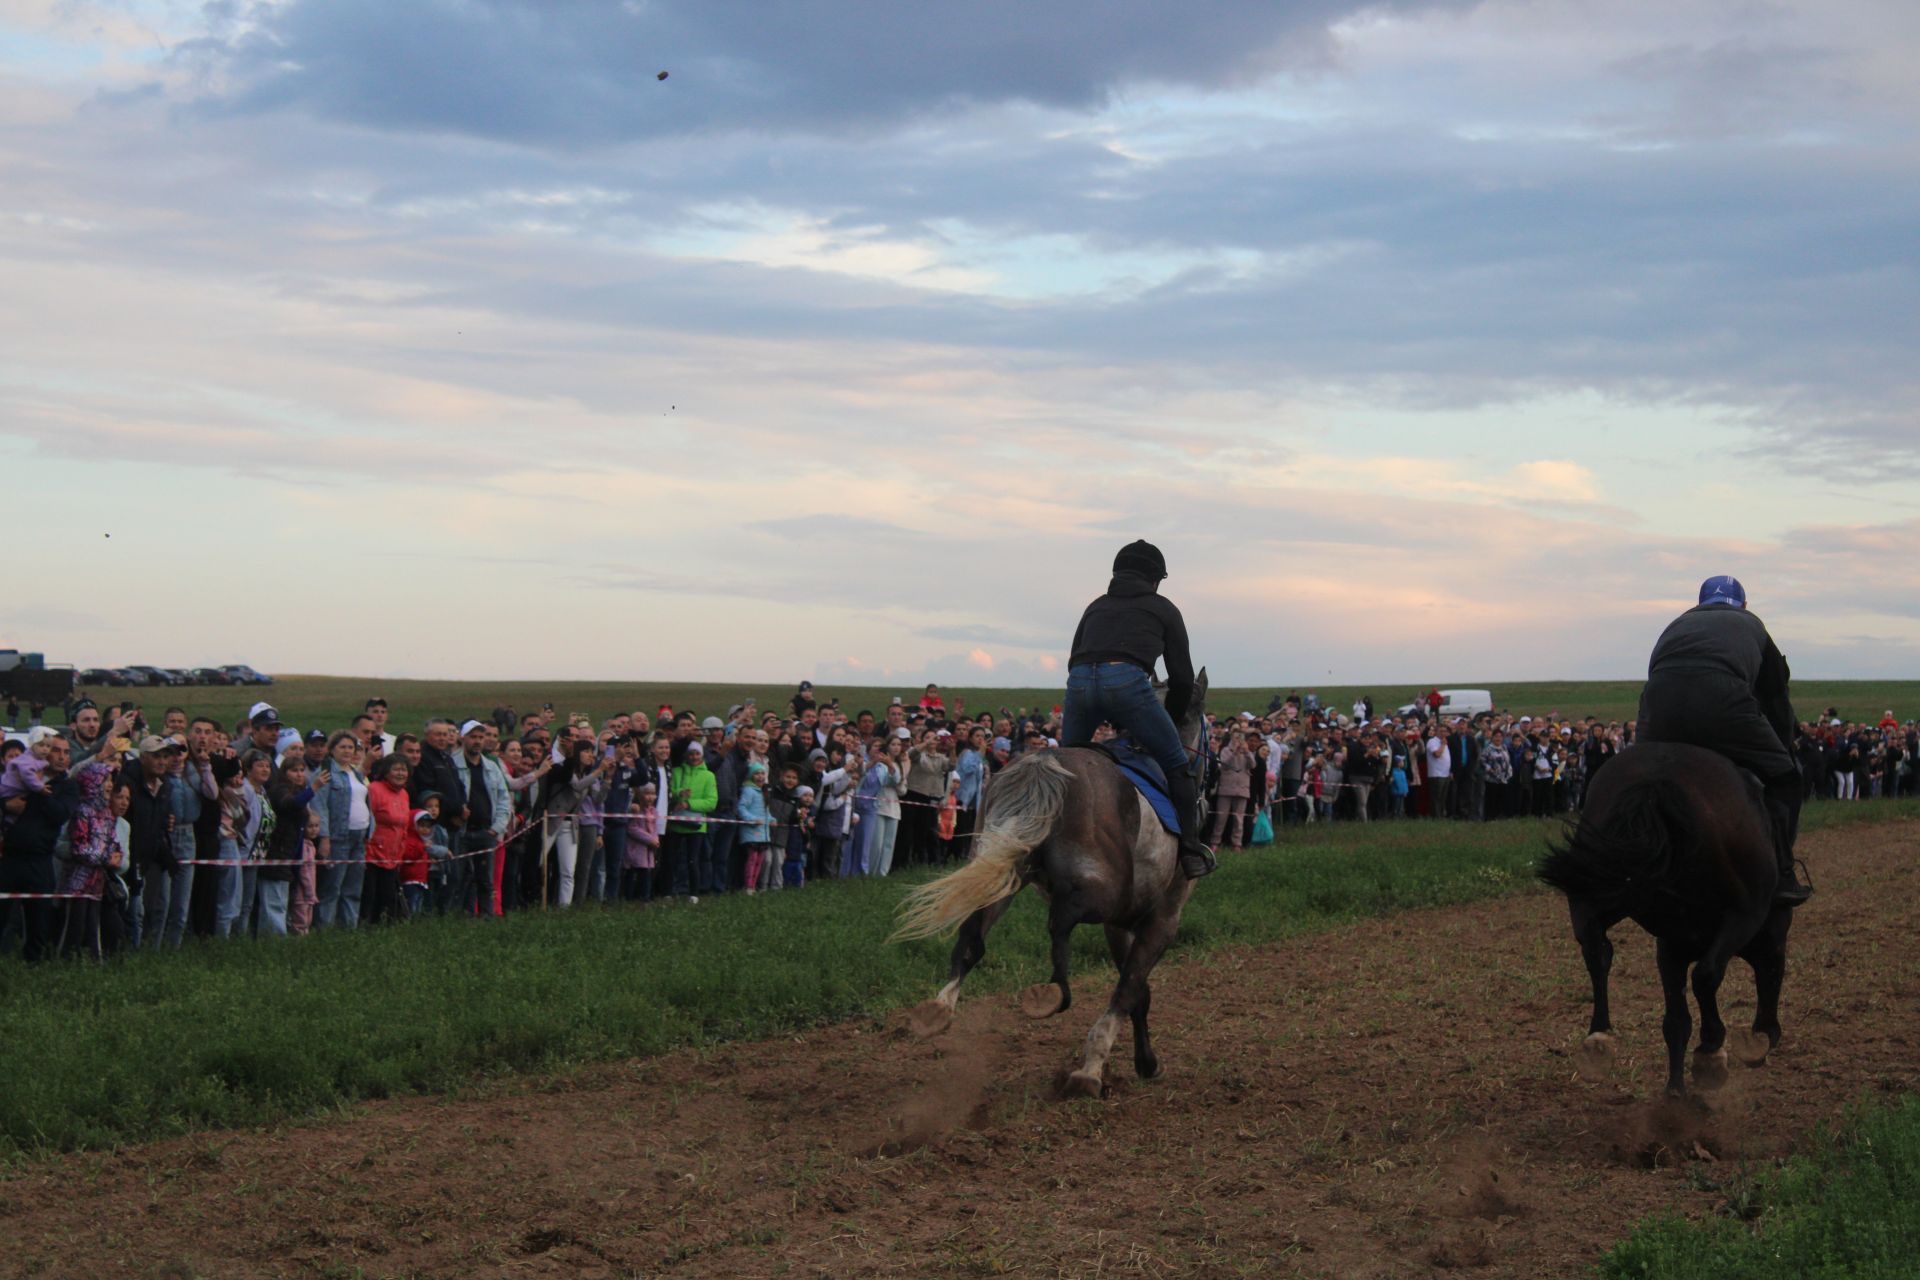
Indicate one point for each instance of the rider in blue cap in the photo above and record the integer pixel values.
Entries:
(1110, 679)
(1717, 680)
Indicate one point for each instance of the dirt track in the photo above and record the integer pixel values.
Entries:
(1402, 1098)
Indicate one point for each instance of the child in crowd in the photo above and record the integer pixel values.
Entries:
(755, 822)
(305, 881)
(425, 855)
(643, 846)
(799, 831)
(26, 772)
(781, 802)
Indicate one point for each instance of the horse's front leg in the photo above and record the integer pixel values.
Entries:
(1710, 1059)
(1044, 999)
(932, 1017)
(1131, 999)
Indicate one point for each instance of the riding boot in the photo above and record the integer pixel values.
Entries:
(1196, 859)
(1783, 810)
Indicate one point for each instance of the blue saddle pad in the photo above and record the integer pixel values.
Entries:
(1145, 773)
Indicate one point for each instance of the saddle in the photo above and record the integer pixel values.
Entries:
(1146, 775)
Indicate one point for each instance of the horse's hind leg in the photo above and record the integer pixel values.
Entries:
(1767, 953)
(1131, 998)
(1710, 1059)
(1677, 1025)
(1045, 999)
(969, 949)
(1597, 949)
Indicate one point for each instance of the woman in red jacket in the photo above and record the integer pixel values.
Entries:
(387, 843)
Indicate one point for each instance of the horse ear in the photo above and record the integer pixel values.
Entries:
(1200, 681)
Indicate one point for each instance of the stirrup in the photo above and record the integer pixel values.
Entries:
(1794, 889)
(1197, 860)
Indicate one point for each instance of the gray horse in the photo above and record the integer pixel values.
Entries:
(1070, 824)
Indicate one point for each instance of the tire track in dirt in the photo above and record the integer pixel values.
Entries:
(1404, 1097)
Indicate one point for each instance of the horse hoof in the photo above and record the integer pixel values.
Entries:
(1043, 1000)
(1710, 1069)
(1083, 1084)
(1147, 1069)
(1753, 1047)
(929, 1019)
(1598, 1045)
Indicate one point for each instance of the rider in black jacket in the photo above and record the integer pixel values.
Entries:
(1109, 679)
(1717, 680)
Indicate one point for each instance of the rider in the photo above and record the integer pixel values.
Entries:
(1716, 680)
(1110, 678)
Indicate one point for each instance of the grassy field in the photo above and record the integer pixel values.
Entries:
(1850, 1207)
(330, 702)
(248, 1032)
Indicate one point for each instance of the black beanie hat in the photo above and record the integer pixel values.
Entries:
(1142, 558)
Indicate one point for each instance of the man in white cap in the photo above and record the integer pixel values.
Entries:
(482, 784)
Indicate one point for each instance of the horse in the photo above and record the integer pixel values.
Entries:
(1677, 838)
(1068, 822)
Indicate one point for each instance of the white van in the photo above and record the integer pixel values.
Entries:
(1456, 702)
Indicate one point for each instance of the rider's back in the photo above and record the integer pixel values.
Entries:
(1713, 638)
(1134, 623)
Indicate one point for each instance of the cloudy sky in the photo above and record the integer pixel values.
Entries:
(1431, 340)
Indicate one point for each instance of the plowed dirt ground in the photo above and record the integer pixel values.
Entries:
(1401, 1098)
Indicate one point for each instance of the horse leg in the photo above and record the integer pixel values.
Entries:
(1045, 999)
(969, 949)
(1767, 953)
(1710, 1059)
(1145, 1064)
(1131, 998)
(1677, 1025)
(1597, 949)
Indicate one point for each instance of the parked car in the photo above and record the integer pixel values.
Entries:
(159, 676)
(130, 676)
(210, 675)
(244, 674)
(102, 676)
(1455, 702)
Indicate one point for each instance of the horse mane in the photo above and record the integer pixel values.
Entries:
(1610, 858)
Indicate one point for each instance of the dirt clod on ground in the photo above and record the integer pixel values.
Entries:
(1406, 1097)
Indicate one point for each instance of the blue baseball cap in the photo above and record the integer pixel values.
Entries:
(1723, 589)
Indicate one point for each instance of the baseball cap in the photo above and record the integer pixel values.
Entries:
(903, 733)
(806, 686)
(420, 816)
(1723, 589)
(316, 735)
(470, 726)
(263, 713)
(153, 744)
(713, 722)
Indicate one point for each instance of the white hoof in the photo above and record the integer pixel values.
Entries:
(1599, 1044)
(1084, 1084)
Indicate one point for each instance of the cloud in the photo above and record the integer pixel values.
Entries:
(527, 71)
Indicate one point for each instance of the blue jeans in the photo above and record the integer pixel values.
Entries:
(1121, 694)
(232, 898)
(720, 840)
(168, 893)
(272, 896)
(688, 850)
(856, 856)
(613, 845)
(338, 885)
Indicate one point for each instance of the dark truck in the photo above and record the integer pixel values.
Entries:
(27, 680)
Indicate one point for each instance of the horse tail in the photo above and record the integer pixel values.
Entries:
(1615, 854)
(1028, 798)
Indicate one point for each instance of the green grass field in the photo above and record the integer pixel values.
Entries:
(1850, 1207)
(330, 702)
(244, 1032)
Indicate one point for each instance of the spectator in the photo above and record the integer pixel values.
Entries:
(89, 849)
(642, 846)
(692, 796)
(289, 793)
(1236, 787)
(755, 823)
(392, 809)
(481, 783)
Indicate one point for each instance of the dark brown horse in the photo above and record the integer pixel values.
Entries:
(1069, 823)
(1677, 839)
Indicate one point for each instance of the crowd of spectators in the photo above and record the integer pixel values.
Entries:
(118, 832)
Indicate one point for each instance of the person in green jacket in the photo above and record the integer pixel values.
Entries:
(694, 792)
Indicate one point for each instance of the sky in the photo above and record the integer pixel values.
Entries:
(1430, 340)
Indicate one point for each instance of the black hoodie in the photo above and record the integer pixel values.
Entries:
(1133, 623)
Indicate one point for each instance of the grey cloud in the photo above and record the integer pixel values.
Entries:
(584, 70)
